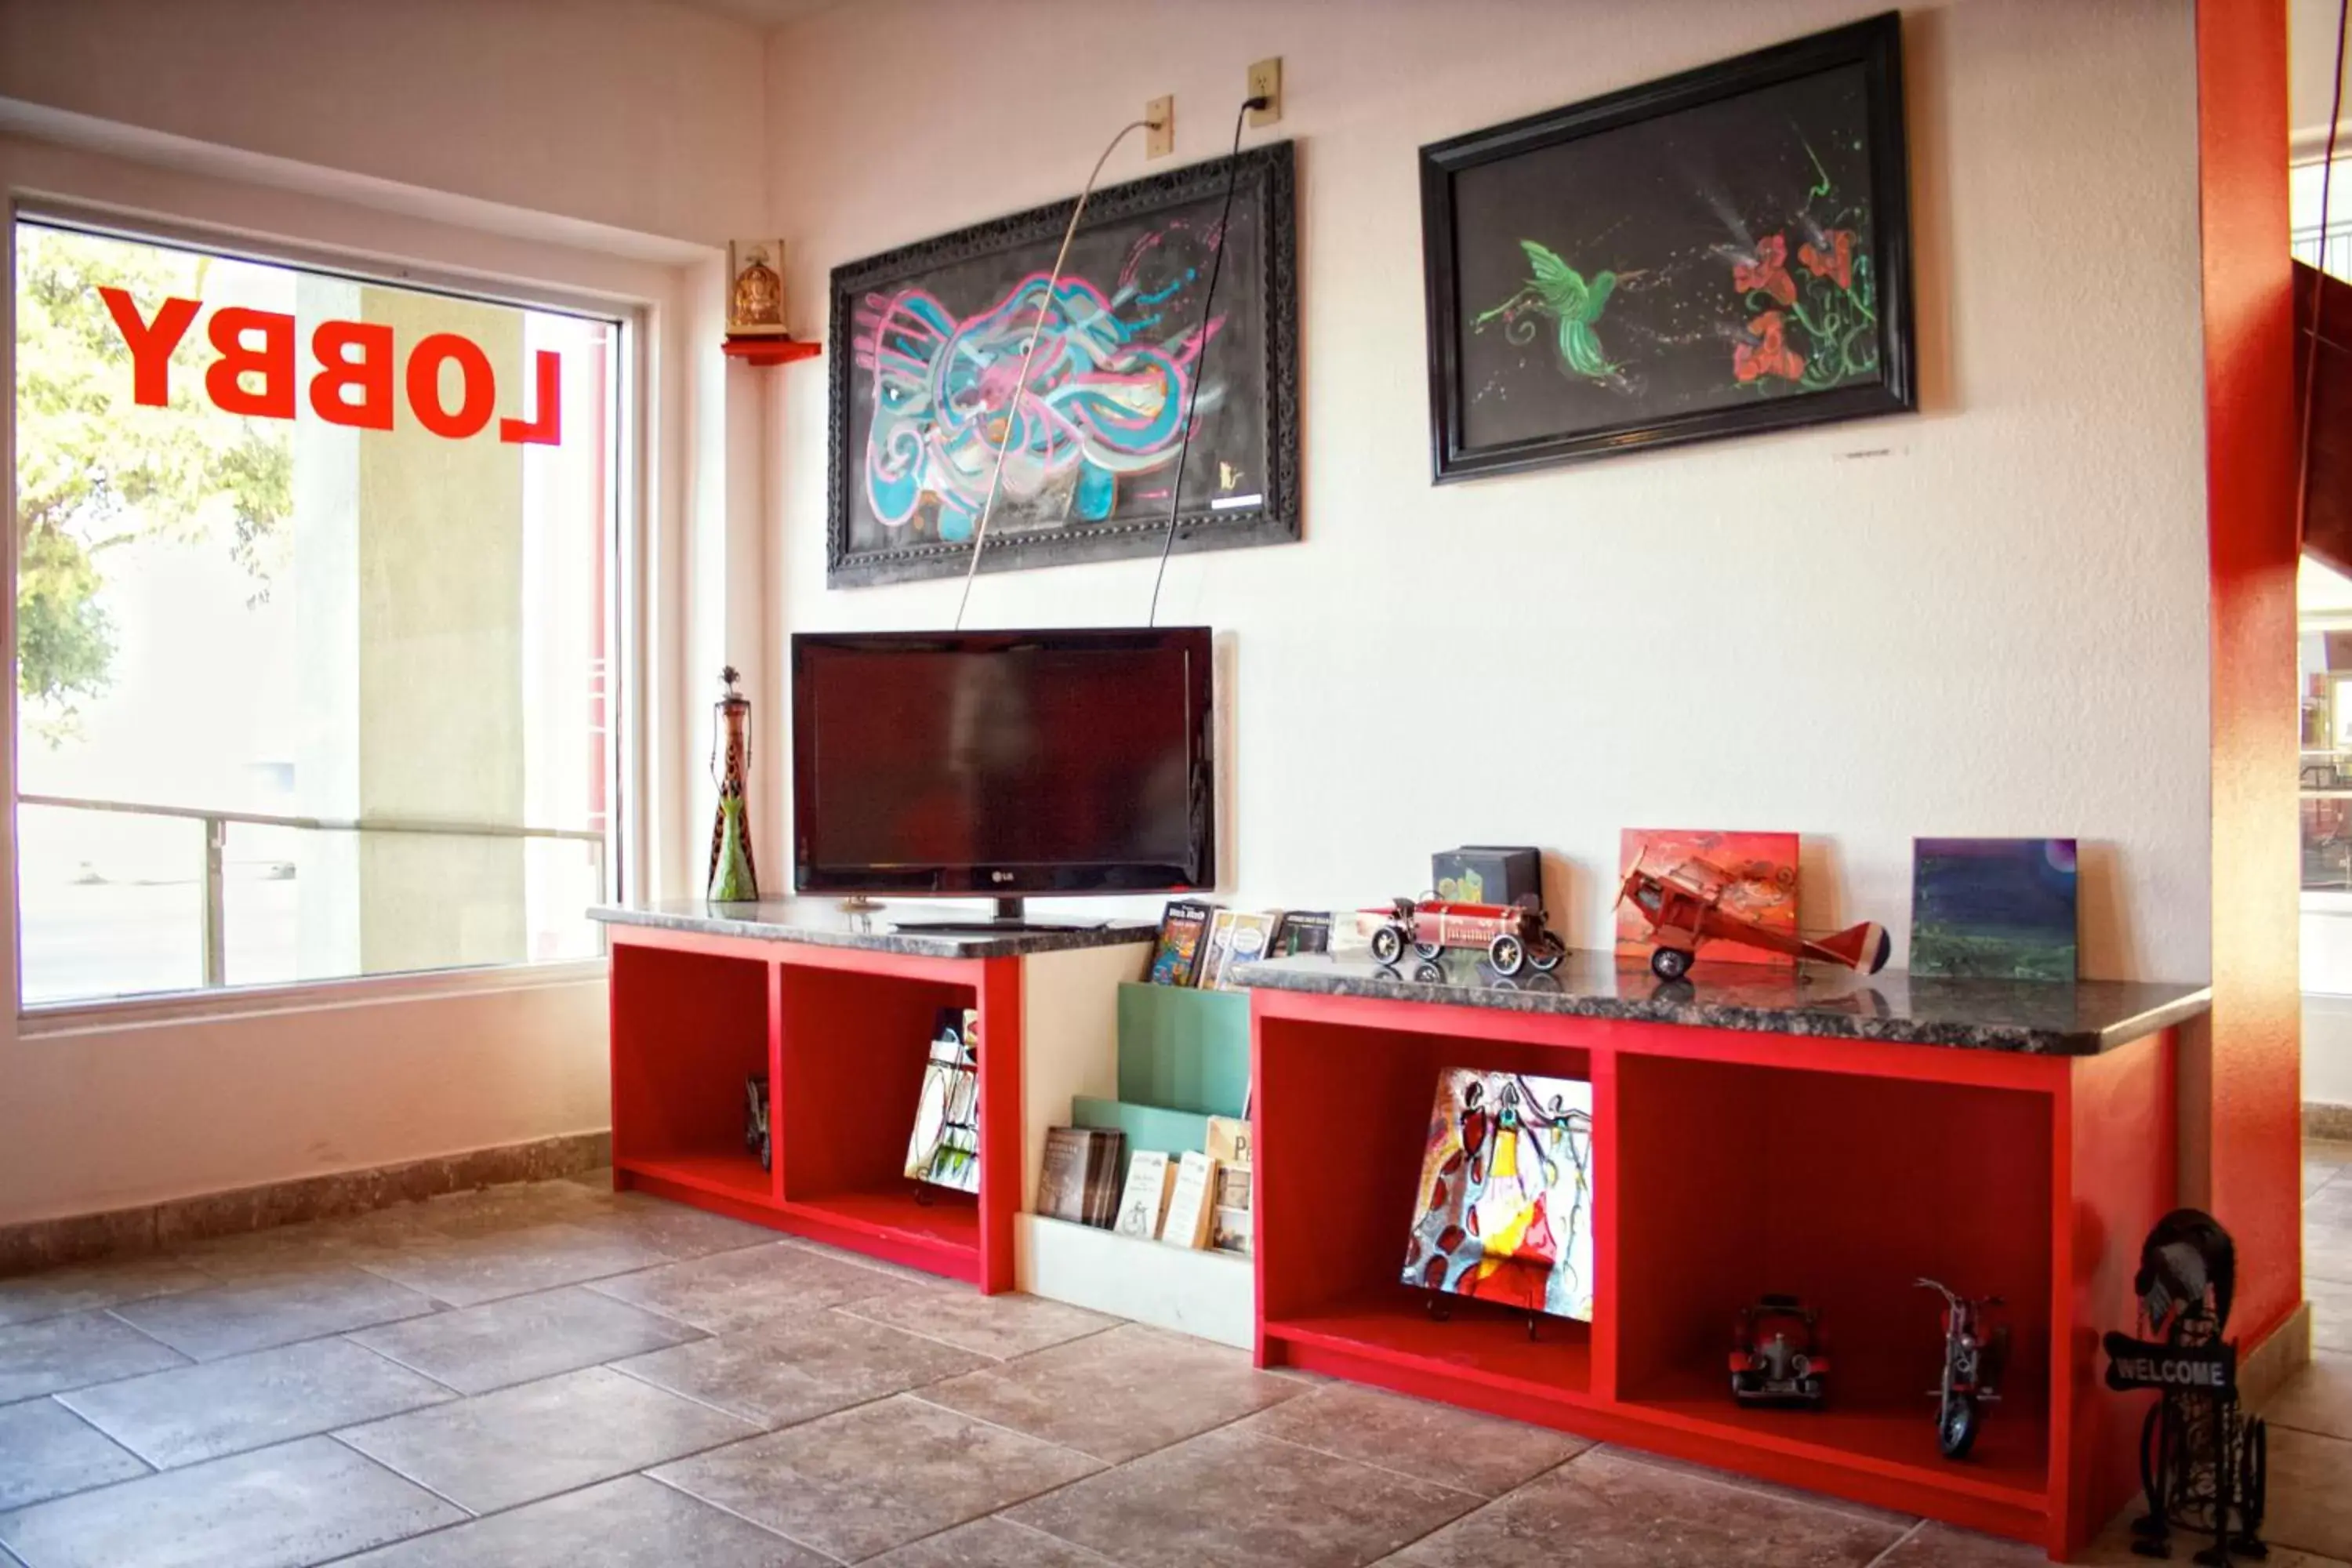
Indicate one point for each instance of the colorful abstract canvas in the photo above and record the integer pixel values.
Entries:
(1504, 1208)
(2001, 908)
(945, 1147)
(1749, 877)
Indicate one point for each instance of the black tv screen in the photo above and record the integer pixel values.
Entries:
(1002, 762)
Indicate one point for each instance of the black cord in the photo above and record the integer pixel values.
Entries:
(1201, 358)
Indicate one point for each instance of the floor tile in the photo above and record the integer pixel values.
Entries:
(731, 1290)
(355, 1240)
(674, 1230)
(46, 1450)
(1229, 1497)
(523, 1338)
(218, 1407)
(2331, 1205)
(1933, 1545)
(793, 1369)
(1119, 1394)
(998, 1327)
(51, 1353)
(1888, 1518)
(1435, 1443)
(631, 1522)
(2328, 1252)
(273, 1310)
(868, 1479)
(467, 1271)
(512, 1205)
(2331, 1315)
(990, 1543)
(89, 1286)
(532, 1441)
(2310, 1500)
(1618, 1510)
(2317, 1399)
(302, 1502)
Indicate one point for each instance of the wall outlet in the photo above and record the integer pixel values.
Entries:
(1265, 81)
(1159, 127)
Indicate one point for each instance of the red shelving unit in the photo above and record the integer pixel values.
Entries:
(1728, 1165)
(839, 1032)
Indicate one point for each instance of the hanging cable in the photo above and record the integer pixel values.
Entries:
(2319, 287)
(1200, 355)
(1021, 388)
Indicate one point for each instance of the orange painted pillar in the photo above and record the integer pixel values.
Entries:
(2252, 1095)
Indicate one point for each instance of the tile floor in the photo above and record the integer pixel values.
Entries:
(553, 1373)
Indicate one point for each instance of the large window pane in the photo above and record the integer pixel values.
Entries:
(389, 613)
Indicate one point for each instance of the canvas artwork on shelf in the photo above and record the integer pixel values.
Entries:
(1504, 1210)
(1749, 877)
(1999, 908)
(945, 1147)
(930, 384)
(1724, 251)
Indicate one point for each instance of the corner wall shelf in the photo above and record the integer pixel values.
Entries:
(770, 351)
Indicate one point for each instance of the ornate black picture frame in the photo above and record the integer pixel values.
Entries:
(926, 347)
(1717, 253)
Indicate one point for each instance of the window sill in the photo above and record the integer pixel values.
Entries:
(43, 1020)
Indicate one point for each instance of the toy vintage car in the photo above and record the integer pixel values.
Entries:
(1776, 1355)
(1512, 935)
(1684, 906)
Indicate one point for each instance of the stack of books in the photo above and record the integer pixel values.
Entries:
(1202, 945)
(1080, 1181)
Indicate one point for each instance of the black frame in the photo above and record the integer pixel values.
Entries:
(1014, 882)
(1877, 44)
(1264, 183)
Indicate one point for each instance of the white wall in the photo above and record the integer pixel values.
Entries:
(1986, 618)
(600, 147)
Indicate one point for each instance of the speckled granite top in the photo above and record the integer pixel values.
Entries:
(821, 922)
(2033, 1016)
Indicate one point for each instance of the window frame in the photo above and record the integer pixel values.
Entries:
(626, 547)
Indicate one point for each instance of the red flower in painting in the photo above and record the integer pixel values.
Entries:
(1769, 271)
(1837, 262)
(1770, 354)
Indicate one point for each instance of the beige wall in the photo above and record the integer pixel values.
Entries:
(1986, 618)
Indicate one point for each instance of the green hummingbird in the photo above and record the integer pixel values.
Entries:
(1558, 291)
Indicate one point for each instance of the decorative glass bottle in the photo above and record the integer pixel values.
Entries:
(733, 877)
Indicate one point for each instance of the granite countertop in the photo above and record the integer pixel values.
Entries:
(822, 922)
(2037, 1017)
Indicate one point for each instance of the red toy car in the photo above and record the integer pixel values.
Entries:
(1776, 1355)
(1513, 935)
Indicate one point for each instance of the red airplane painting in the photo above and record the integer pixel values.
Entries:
(1683, 907)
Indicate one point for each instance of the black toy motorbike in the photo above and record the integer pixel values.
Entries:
(1972, 1368)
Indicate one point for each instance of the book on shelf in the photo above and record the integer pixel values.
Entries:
(1301, 931)
(1235, 936)
(1144, 1202)
(1189, 1205)
(1183, 928)
(1079, 1180)
(1229, 1140)
(1229, 1231)
(1106, 1160)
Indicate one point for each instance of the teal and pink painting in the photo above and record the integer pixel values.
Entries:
(1996, 907)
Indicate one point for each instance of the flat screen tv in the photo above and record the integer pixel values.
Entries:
(1003, 764)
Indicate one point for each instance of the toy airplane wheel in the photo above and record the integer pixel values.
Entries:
(1956, 1426)
(1670, 962)
(1508, 953)
(1388, 944)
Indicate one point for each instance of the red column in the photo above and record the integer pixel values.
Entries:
(2250, 1102)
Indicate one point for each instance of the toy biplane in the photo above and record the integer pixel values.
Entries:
(1686, 906)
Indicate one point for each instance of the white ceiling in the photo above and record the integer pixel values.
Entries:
(766, 14)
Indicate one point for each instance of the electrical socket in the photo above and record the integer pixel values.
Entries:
(1159, 127)
(1265, 81)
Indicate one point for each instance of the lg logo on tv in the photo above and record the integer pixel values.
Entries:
(352, 385)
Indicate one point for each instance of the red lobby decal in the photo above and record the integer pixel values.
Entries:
(352, 381)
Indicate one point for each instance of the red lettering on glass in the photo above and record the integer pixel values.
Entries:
(150, 343)
(548, 429)
(356, 355)
(272, 361)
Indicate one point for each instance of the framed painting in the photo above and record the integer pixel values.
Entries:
(1721, 252)
(1505, 1204)
(927, 382)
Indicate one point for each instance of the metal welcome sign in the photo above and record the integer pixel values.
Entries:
(350, 382)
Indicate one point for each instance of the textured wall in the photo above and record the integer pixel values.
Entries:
(1986, 618)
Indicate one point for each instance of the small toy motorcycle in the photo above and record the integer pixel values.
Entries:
(1972, 1367)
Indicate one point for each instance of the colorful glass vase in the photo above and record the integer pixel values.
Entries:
(733, 879)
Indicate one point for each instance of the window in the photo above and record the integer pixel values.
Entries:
(312, 575)
(2323, 659)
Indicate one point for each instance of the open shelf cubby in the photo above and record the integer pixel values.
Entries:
(842, 1034)
(1729, 1164)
